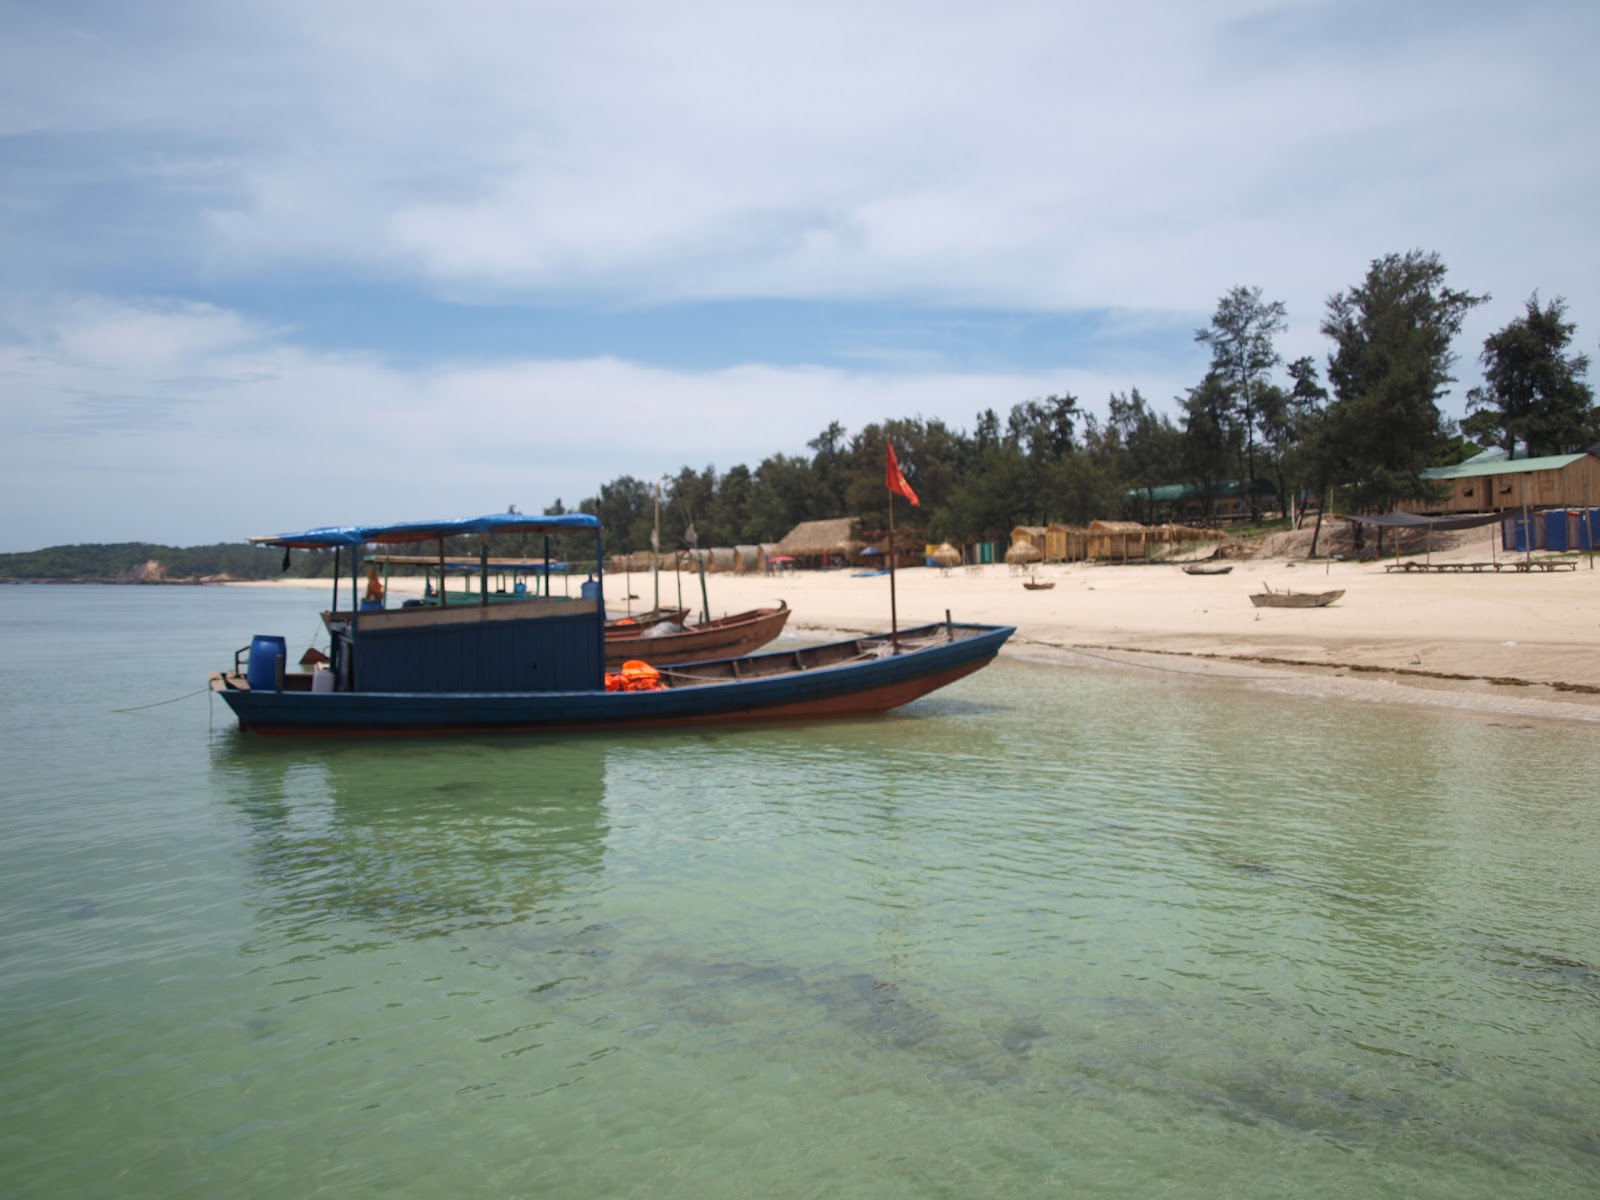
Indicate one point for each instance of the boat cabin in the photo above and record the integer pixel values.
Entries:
(502, 642)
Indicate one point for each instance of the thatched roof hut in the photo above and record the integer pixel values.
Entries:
(1024, 552)
(747, 560)
(1066, 543)
(1118, 539)
(717, 558)
(946, 555)
(1033, 535)
(815, 543)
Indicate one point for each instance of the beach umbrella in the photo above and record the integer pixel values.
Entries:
(946, 555)
(1023, 552)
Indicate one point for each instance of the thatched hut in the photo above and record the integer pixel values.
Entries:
(747, 560)
(1066, 543)
(946, 555)
(1022, 553)
(1117, 541)
(1033, 535)
(822, 543)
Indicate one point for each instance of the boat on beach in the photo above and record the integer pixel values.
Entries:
(666, 642)
(1287, 599)
(1207, 568)
(540, 663)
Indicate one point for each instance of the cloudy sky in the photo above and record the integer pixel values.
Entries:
(275, 265)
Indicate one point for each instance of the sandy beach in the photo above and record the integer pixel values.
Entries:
(1507, 642)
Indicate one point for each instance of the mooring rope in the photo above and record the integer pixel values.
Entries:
(159, 703)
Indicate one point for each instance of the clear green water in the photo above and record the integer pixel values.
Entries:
(1045, 933)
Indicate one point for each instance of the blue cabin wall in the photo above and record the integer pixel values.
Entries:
(544, 654)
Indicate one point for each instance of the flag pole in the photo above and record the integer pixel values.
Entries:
(894, 616)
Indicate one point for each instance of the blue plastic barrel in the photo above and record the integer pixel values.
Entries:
(1555, 530)
(265, 651)
(590, 590)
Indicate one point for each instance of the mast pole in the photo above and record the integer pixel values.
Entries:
(894, 616)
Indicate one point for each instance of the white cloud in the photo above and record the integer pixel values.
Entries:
(1015, 154)
(258, 434)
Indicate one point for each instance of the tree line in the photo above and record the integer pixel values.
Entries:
(1368, 427)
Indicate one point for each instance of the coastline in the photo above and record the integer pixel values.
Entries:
(1523, 644)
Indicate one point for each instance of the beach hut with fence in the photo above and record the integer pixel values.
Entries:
(831, 543)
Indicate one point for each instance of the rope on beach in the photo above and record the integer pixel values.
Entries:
(159, 703)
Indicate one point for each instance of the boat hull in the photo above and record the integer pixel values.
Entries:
(1294, 599)
(875, 685)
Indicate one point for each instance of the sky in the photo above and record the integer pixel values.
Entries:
(271, 266)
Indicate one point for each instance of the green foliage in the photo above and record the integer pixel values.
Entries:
(122, 561)
(1390, 365)
(1534, 392)
(1241, 337)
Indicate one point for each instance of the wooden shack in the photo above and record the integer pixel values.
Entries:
(1117, 541)
(1492, 482)
(1031, 535)
(1066, 543)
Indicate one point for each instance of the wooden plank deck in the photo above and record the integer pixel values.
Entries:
(1508, 564)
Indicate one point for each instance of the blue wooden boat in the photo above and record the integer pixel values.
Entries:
(539, 663)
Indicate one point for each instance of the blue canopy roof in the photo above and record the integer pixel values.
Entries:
(333, 536)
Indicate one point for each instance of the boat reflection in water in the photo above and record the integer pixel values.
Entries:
(419, 841)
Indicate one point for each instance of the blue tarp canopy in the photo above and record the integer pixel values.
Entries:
(1405, 520)
(334, 536)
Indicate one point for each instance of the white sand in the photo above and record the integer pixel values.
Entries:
(1508, 642)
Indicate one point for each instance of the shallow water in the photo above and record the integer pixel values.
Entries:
(1045, 932)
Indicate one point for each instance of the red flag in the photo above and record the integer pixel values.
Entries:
(896, 481)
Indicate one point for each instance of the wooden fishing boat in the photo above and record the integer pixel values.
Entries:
(1288, 599)
(1033, 585)
(722, 637)
(540, 663)
(644, 620)
(1207, 568)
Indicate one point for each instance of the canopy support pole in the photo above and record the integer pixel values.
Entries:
(894, 616)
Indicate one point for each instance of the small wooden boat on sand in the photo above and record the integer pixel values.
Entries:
(1034, 585)
(1207, 568)
(1288, 599)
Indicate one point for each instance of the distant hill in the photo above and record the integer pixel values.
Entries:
(144, 562)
